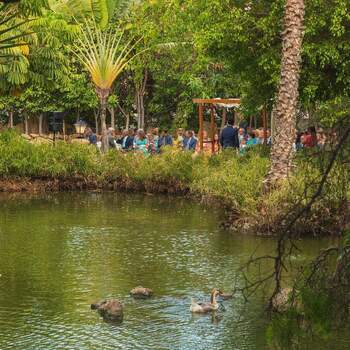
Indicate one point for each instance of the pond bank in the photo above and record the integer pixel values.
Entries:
(230, 181)
(37, 185)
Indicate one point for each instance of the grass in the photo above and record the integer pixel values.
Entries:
(233, 179)
(229, 179)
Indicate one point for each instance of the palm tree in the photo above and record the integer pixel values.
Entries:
(105, 57)
(285, 108)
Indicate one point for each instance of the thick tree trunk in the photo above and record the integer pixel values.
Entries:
(103, 95)
(40, 124)
(285, 108)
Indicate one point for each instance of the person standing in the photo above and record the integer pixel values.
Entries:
(229, 136)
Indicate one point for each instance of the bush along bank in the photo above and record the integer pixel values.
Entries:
(229, 180)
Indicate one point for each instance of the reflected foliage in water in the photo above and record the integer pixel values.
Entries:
(61, 252)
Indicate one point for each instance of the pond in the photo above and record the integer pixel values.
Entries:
(61, 252)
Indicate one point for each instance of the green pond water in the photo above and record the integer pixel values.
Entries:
(60, 252)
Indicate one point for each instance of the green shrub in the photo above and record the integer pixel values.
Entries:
(232, 179)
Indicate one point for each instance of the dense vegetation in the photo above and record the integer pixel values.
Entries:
(181, 50)
(231, 180)
(231, 49)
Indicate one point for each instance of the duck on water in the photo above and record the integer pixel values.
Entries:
(202, 308)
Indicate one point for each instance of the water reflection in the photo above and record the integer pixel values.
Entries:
(61, 252)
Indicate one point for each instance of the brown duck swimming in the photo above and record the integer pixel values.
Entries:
(202, 308)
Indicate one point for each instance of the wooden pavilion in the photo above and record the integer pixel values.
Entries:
(212, 104)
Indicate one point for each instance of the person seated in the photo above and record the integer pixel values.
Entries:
(92, 137)
(165, 139)
(110, 138)
(310, 138)
(242, 137)
(141, 142)
(298, 145)
(229, 136)
(252, 140)
(128, 140)
(189, 142)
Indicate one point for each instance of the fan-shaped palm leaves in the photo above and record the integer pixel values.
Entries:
(104, 56)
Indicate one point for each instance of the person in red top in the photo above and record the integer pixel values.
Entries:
(310, 139)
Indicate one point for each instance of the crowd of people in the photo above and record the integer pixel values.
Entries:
(310, 138)
(231, 136)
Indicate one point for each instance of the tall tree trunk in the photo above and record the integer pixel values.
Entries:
(139, 108)
(26, 127)
(103, 94)
(285, 108)
(127, 122)
(96, 121)
(40, 124)
(140, 105)
(64, 129)
(112, 113)
(11, 119)
(104, 140)
(126, 115)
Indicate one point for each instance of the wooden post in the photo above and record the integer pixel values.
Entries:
(212, 128)
(224, 117)
(200, 110)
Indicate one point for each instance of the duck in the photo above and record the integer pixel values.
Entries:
(110, 310)
(202, 308)
(141, 292)
(226, 296)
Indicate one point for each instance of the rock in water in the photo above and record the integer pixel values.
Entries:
(141, 292)
(110, 310)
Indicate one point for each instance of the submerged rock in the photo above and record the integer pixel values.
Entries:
(110, 310)
(141, 292)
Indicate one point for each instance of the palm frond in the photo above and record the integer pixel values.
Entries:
(103, 54)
